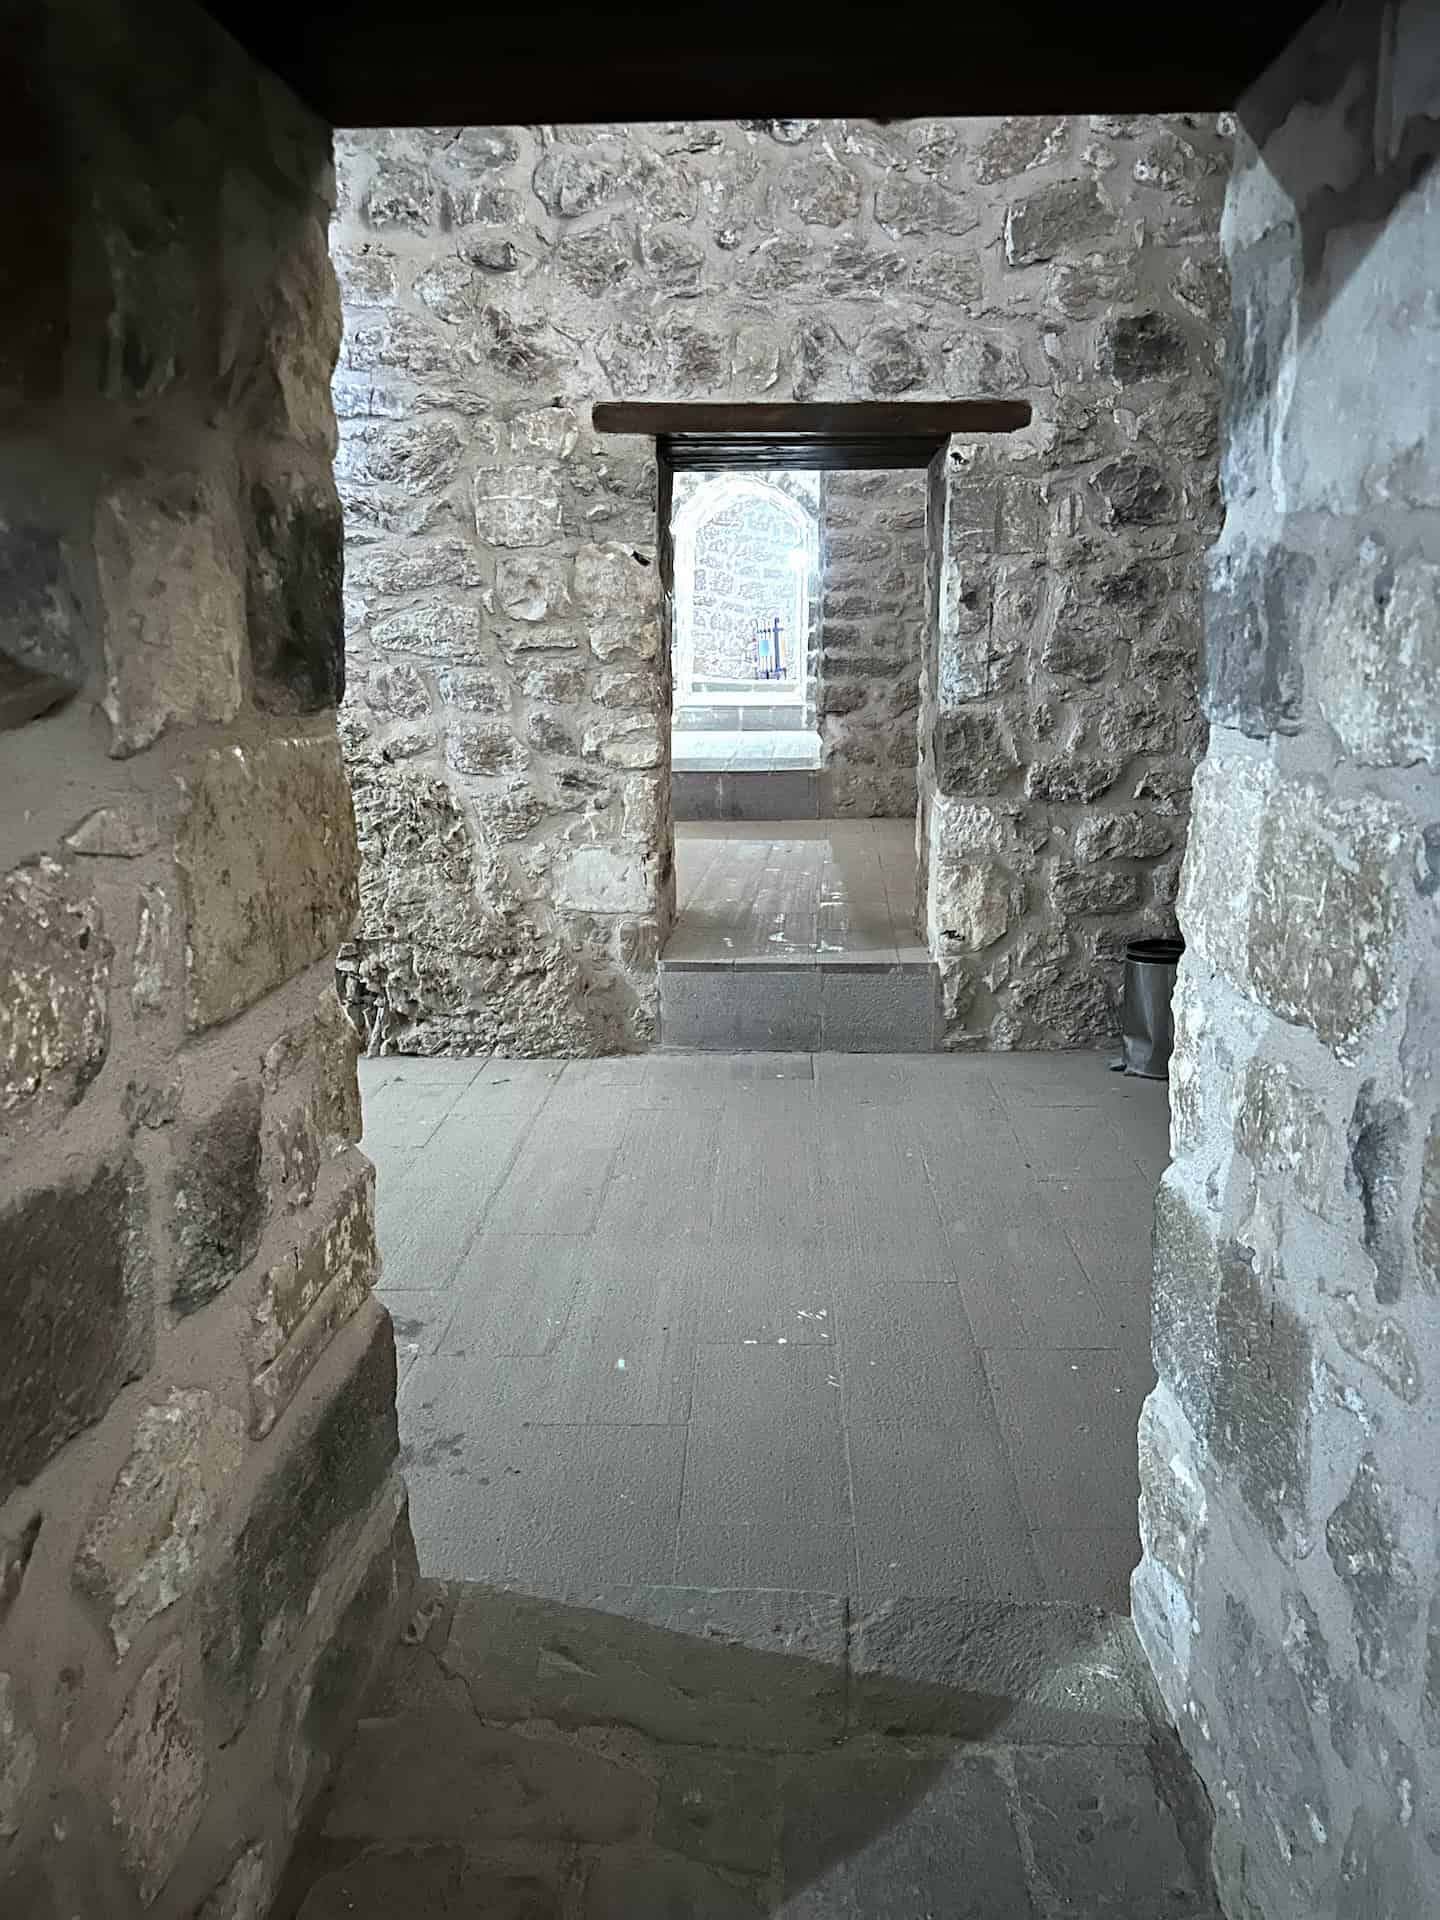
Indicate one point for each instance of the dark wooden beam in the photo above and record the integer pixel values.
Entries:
(827, 436)
(852, 419)
(373, 63)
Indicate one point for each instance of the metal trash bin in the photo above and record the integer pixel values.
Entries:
(1147, 1024)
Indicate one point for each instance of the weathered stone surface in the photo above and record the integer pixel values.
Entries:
(721, 1809)
(533, 588)
(975, 753)
(1023, 141)
(142, 1552)
(331, 1476)
(1073, 777)
(1092, 889)
(40, 657)
(1427, 1213)
(54, 981)
(1378, 660)
(484, 749)
(1134, 494)
(266, 851)
(295, 562)
(117, 833)
(1124, 836)
(1255, 612)
(381, 1881)
(19, 1754)
(220, 1199)
(1069, 213)
(244, 1893)
(1283, 1129)
(171, 586)
(977, 903)
(1143, 346)
(157, 1773)
(890, 360)
(516, 506)
(304, 1299)
(75, 1311)
(685, 1666)
(1261, 1421)
(1366, 1544)
(16, 1549)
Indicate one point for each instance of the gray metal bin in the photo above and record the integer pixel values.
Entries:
(1147, 1024)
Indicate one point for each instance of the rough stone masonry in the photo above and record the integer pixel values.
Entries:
(506, 720)
(1289, 1598)
(203, 1541)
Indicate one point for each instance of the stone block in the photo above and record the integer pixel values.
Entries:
(472, 747)
(1427, 1213)
(1282, 1129)
(1092, 889)
(307, 1297)
(16, 1548)
(1134, 493)
(533, 586)
(75, 1311)
(1121, 836)
(416, 459)
(1071, 777)
(157, 1773)
(266, 850)
(377, 1883)
(517, 506)
(1260, 1426)
(974, 752)
(142, 1550)
(170, 578)
(1332, 862)
(624, 1886)
(54, 981)
(890, 359)
(1366, 1537)
(435, 631)
(244, 1893)
(40, 656)
(1188, 1266)
(1019, 142)
(597, 880)
(220, 1198)
(294, 568)
(1377, 660)
(19, 1755)
(337, 1462)
(975, 903)
(1070, 214)
(1256, 611)
(1143, 346)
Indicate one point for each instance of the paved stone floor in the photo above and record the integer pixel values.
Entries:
(795, 890)
(711, 750)
(858, 1324)
(661, 1754)
(770, 1427)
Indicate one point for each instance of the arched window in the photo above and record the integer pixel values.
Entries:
(746, 555)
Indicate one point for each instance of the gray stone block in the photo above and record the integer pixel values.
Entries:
(879, 1009)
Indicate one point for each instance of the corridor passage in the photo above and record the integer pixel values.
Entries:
(864, 1325)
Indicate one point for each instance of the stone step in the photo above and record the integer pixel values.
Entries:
(798, 1006)
(778, 793)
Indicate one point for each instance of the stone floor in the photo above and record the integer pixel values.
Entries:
(863, 1325)
(695, 750)
(662, 1754)
(770, 1425)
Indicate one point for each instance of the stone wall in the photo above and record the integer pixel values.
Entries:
(872, 640)
(1288, 1598)
(506, 732)
(202, 1536)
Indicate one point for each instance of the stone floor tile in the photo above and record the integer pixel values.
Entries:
(1070, 1418)
(1091, 1565)
(869, 1831)
(507, 1086)
(766, 1489)
(642, 1884)
(1077, 1142)
(603, 1498)
(720, 1808)
(937, 1511)
(558, 1179)
(687, 1666)
(422, 1231)
(878, 1222)
(1104, 1842)
(662, 1186)
(1054, 1079)
(421, 1319)
(430, 1883)
(513, 1293)
(762, 1292)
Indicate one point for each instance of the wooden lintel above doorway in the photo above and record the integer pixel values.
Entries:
(827, 435)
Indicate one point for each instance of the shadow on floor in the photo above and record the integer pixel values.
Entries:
(665, 1753)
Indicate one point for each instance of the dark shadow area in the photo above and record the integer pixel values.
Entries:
(687, 1754)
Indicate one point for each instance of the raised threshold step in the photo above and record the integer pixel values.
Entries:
(777, 793)
(828, 1004)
